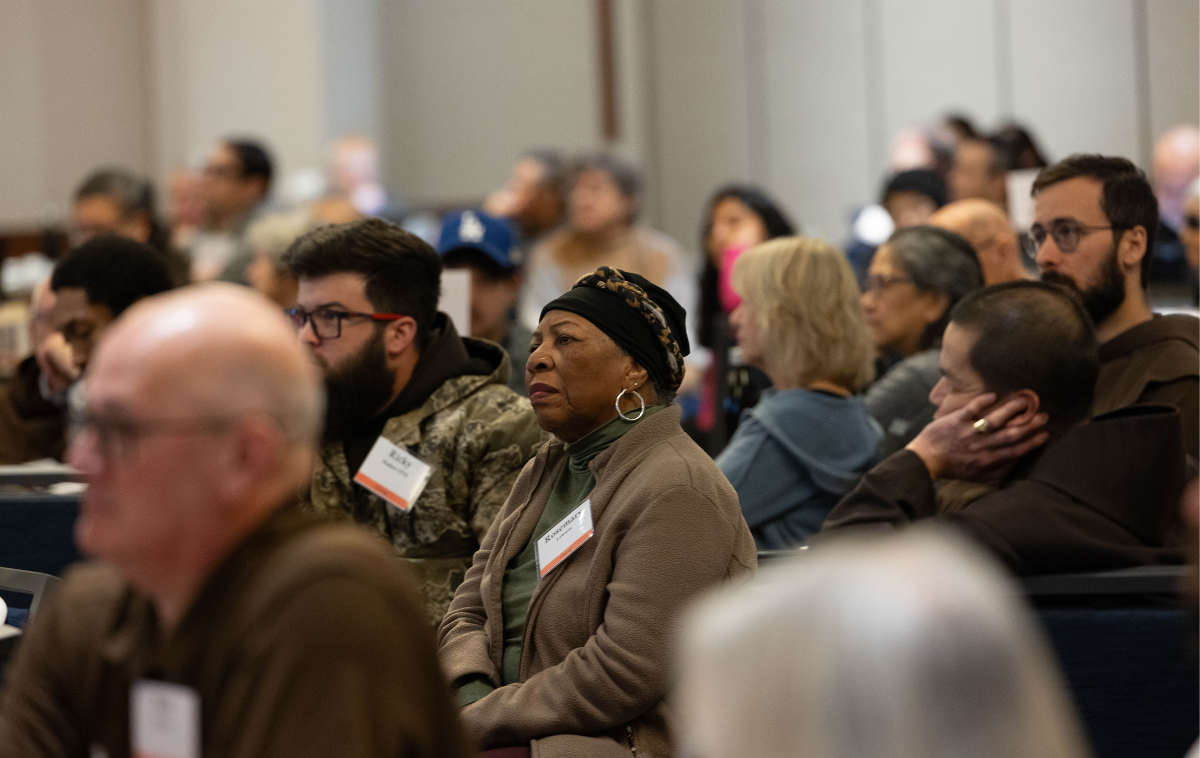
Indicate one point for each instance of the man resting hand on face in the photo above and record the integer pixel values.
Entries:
(1019, 364)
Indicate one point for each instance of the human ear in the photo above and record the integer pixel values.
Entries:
(635, 376)
(1131, 248)
(399, 334)
(936, 304)
(251, 456)
(1033, 404)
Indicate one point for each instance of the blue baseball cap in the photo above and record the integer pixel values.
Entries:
(476, 230)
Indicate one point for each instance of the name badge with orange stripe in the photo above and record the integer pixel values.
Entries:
(394, 474)
(564, 538)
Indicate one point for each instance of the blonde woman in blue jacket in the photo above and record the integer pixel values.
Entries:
(810, 439)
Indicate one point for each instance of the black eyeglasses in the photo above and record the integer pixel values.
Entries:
(117, 437)
(327, 322)
(1067, 233)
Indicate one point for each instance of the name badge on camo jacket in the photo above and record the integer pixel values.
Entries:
(564, 538)
(394, 474)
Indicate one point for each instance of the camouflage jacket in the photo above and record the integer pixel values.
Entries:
(477, 434)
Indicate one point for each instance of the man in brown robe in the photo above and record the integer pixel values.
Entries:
(220, 620)
(1094, 223)
(1019, 362)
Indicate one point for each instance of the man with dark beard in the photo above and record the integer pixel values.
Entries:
(423, 439)
(1094, 221)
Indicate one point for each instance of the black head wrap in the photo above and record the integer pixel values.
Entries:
(641, 317)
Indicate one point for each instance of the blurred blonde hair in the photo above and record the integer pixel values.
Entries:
(911, 646)
(273, 234)
(806, 300)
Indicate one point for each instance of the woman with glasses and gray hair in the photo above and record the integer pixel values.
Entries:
(914, 281)
(911, 646)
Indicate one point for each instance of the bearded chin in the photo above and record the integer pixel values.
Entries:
(358, 391)
(1102, 300)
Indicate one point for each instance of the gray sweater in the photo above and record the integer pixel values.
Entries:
(899, 400)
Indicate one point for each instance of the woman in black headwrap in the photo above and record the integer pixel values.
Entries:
(737, 218)
(560, 633)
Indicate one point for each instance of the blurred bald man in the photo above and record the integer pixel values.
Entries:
(1176, 166)
(218, 620)
(353, 189)
(987, 228)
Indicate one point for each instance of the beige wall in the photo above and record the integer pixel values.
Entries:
(351, 60)
(700, 111)
(73, 96)
(828, 84)
(1079, 91)
(469, 84)
(800, 96)
(1173, 28)
(237, 68)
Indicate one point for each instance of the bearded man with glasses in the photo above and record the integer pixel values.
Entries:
(402, 382)
(1094, 222)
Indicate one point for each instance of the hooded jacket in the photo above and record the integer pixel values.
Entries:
(1104, 495)
(31, 427)
(1155, 362)
(793, 457)
(596, 654)
(476, 434)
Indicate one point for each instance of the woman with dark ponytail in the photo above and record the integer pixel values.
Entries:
(736, 218)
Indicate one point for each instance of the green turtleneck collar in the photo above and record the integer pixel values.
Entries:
(582, 451)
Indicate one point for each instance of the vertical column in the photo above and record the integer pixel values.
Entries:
(1173, 49)
(351, 64)
(699, 114)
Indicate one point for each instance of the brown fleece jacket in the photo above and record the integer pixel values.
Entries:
(594, 666)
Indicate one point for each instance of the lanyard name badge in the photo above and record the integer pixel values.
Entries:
(394, 474)
(564, 538)
(165, 720)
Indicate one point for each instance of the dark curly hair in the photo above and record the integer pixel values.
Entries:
(113, 271)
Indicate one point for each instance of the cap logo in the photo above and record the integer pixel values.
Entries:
(470, 229)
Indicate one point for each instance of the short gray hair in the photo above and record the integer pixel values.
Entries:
(911, 646)
(130, 193)
(627, 178)
(937, 260)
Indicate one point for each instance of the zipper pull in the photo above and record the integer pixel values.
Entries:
(629, 733)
